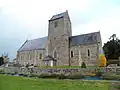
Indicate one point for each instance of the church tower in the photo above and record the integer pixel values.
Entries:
(59, 31)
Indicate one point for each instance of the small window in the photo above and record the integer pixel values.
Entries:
(88, 52)
(55, 54)
(50, 41)
(95, 38)
(71, 54)
(21, 57)
(40, 56)
(54, 38)
(30, 57)
(56, 24)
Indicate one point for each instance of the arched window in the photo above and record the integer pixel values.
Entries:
(71, 54)
(88, 52)
(56, 24)
(55, 54)
(30, 56)
(21, 57)
(40, 56)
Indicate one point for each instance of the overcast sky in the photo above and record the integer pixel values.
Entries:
(28, 19)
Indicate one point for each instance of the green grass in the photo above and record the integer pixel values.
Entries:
(21, 83)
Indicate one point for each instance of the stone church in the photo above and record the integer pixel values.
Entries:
(60, 47)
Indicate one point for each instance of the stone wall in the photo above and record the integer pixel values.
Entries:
(60, 70)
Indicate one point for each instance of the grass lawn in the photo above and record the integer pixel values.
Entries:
(22, 83)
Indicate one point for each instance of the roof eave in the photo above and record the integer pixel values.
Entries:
(31, 49)
(56, 18)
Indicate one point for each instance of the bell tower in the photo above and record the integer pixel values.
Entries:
(59, 31)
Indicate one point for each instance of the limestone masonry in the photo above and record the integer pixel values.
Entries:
(60, 47)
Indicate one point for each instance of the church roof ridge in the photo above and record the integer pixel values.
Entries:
(86, 34)
(37, 38)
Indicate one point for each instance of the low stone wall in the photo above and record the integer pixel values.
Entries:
(59, 70)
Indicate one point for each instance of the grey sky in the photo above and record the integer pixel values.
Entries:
(22, 19)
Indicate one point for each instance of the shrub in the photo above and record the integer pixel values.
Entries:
(91, 74)
(27, 65)
(34, 75)
(15, 72)
(62, 76)
(21, 74)
(12, 73)
(25, 75)
(47, 75)
(71, 76)
(83, 65)
(98, 72)
(103, 60)
(109, 76)
(2, 72)
(75, 76)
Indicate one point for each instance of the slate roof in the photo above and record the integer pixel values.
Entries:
(85, 38)
(58, 16)
(34, 44)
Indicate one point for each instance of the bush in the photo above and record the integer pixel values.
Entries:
(47, 75)
(21, 74)
(109, 76)
(75, 76)
(62, 76)
(2, 72)
(25, 75)
(27, 65)
(34, 75)
(103, 60)
(12, 73)
(98, 72)
(59, 76)
(15, 73)
(83, 65)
